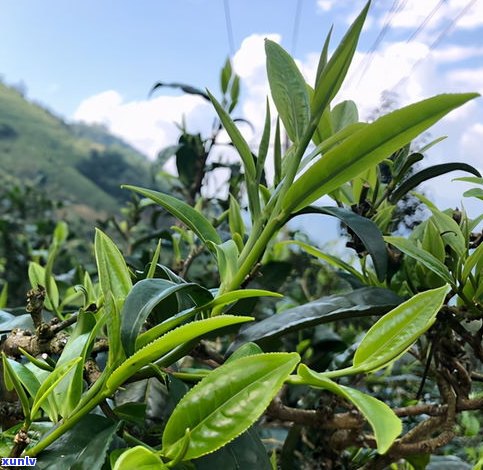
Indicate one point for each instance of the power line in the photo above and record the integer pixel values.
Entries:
(229, 28)
(426, 20)
(396, 7)
(296, 26)
(438, 39)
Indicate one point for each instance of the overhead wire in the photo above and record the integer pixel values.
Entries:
(296, 26)
(426, 20)
(396, 7)
(438, 40)
(229, 27)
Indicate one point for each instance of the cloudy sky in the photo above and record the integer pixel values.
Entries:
(96, 61)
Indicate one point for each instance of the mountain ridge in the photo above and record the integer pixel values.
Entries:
(80, 164)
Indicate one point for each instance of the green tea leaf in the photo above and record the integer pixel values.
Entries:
(114, 275)
(238, 140)
(69, 391)
(140, 458)
(227, 257)
(428, 173)
(363, 302)
(13, 382)
(226, 403)
(331, 76)
(264, 143)
(344, 114)
(85, 446)
(384, 422)
(369, 146)
(235, 219)
(189, 216)
(229, 297)
(247, 349)
(410, 248)
(144, 296)
(163, 345)
(288, 89)
(332, 260)
(245, 452)
(49, 384)
(366, 230)
(396, 331)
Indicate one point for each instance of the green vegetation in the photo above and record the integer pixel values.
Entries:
(40, 148)
(233, 343)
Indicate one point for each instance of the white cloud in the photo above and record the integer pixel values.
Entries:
(436, 14)
(470, 78)
(148, 125)
(454, 53)
(326, 5)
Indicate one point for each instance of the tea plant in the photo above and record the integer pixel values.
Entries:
(138, 338)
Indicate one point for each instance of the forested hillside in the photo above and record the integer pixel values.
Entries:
(77, 163)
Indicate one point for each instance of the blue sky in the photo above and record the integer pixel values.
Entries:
(97, 60)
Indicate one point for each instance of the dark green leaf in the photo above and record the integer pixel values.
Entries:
(359, 303)
(410, 248)
(83, 447)
(142, 299)
(189, 216)
(367, 231)
(426, 174)
(245, 452)
(182, 86)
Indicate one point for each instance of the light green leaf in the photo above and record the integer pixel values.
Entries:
(189, 216)
(50, 383)
(395, 332)
(235, 219)
(369, 146)
(332, 260)
(264, 143)
(227, 257)
(245, 350)
(226, 403)
(140, 458)
(288, 89)
(162, 346)
(475, 259)
(236, 137)
(331, 77)
(343, 115)
(14, 382)
(114, 275)
(410, 248)
(449, 231)
(229, 297)
(384, 422)
(69, 391)
(152, 267)
(143, 298)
